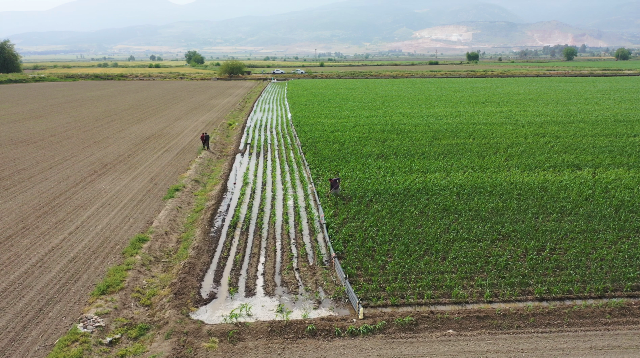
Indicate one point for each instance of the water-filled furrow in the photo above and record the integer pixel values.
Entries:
(224, 282)
(310, 197)
(208, 284)
(289, 203)
(279, 202)
(267, 209)
(299, 195)
(242, 283)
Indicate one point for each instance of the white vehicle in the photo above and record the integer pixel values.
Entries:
(299, 71)
(278, 72)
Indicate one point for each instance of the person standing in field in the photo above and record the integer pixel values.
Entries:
(206, 140)
(334, 186)
(202, 140)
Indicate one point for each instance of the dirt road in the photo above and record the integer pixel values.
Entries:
(557, 344)
(84, 168)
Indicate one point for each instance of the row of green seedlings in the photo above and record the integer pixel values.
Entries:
(261, 213)
(285, 187)
(365, 329)
(310, 213)
(291, 144)
(265, 130)
(275, 153)
(242, 311)
(412, 295)
(233, 290)
(234, 222)
(272, 220)
(256, 150)
(284, 133)
(264, 133)
(303, 179)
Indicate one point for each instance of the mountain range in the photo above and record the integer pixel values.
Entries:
(410, 25)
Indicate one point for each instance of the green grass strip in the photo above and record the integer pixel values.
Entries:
(74, 344)
(172, 191)
(116, 275)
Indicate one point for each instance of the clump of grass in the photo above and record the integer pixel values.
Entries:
(403, 322)
(73, 344)
(116, 275)
(132, 351)
(138, 331)
(173, 190)
(212, 345)
(311, 330)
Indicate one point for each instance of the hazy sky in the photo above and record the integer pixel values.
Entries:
(34, 5)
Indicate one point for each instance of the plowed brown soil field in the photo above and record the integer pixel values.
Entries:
(84, 168)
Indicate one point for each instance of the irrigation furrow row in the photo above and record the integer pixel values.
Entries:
(268, 201)
(307, 179)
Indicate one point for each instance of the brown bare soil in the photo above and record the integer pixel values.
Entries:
(574, 331)
(84, 166)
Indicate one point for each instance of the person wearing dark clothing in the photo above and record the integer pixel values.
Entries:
(207, 138)
(202, 140)
(334, 185)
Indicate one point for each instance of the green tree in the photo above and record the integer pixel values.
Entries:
(158, 58)
(232, 68)
(131, 58)
(569, 53)
(583, 49)
(194, 58)
(473, 56)
(152, 57)
(622, 54)
(9, 58)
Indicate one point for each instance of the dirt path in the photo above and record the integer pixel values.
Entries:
(84, 166)
(558, 344)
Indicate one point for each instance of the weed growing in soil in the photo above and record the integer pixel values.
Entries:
(244, 310)
(311, 330)
(138, 331)
(338, 332)
(232, 336)
(116, 275)
(212, 345)
(73, 344)
(283, 312)
(403, 322)
(171, 192)
(131, 351)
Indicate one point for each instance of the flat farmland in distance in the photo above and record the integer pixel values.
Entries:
(478, 189)
(84, 167)
(126, 70)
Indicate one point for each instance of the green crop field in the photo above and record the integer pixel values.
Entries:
(580, 65)
(478, 189)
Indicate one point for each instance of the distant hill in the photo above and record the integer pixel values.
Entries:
(93, 15)
(506, 35)
(402, 24)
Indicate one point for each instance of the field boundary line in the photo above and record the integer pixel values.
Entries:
(353, 297)
(418, 307)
